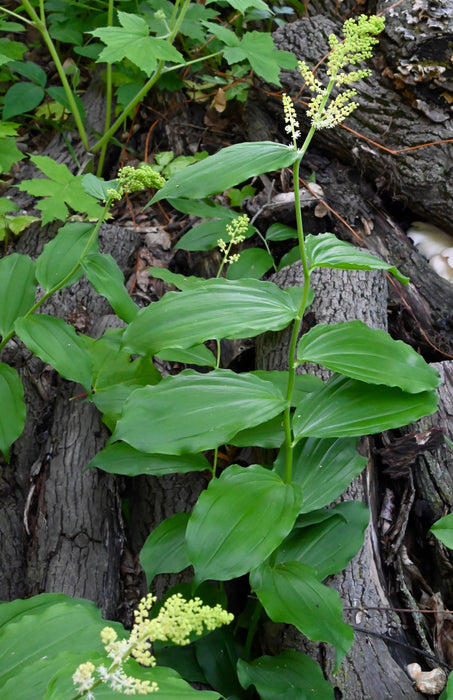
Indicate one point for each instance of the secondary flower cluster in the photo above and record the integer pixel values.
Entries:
(236, 232)
(177, 620)
(359, 38)
(136, 179)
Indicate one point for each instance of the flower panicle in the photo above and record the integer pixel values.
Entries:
(134, 180)
(236, 231)
(177, 620)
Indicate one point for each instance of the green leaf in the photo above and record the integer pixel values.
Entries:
(33, 633)
(121, 458)
(97, 187)
(347, 407)
(58, 93)
(269, 434)
(329, 545)
(12, 415)
(291, 593)
(61, 255)
(57, 343)
(304, 384)
(280, 232)
(63, 188)
(196, 355)
(193, 412)
(367, 354)
(179, 281)
(29, 70)
(217, 655)
(253, 263)
(21, 98)
(164, 551)
(288, 676)
(259, 50)
(323, 467)
(227, 534)
(132, 41)
(16, 224)
(17, 282)
(217, 309)
(9, 153)
(290, 257)
(227, 168)
(244, 5)
(325, 250)
(107, 279)
(443, 530)
(205, 236)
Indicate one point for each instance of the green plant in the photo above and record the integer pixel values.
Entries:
(378, 384)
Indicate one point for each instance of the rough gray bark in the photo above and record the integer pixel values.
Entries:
(369, 669)
(396, 111)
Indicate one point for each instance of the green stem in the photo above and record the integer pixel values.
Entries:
(108, 98)
(252, 630)
(62, 282)
(40, 25)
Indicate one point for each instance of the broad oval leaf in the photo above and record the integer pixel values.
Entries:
(329, 545)
(368, 354)
(205, 236)
(12, 414)
(239, 520)
(164, 551)
(193, 412)
(198, 355)
(346, 407)
(107, 279)
(57, 343)
(227, 168)
(253, 263)
(291, 593)
(17, 282)
(217, 309)
(63, 254)
(121, 458)
(326, 250)
(323, 467)
(443, 530)
(288, 676)
(280, 232)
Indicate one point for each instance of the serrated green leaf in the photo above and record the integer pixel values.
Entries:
(329, 545)
(17, 282)
(61, 189)
(288, 676)
(326, 250)
(21, 98)
(12, 415)
(259, 50)
(9, 153)
(164, 551)
(227, 168)
(323, 467)
(346, 407)
(107, 279)
(368, 354)
(57, 343)
(193, 412)
(121, 458)
(132, 41)
(215, 309)
(62, 254)
(227, 535)
(291, 593)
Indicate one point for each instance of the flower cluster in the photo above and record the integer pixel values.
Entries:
(136, 179)
(359, 38)
(292, 125)
(236, 232)
(177, 620)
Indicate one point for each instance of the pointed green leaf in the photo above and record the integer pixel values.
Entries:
(17, 282)
(325, 250)
(253, 263)
(21, 98)
(193, 412)
(196, 355)
(291, 593)
(288, 676)
(205, 236)
(329, 545)
(280, 232)
(62, 254)
(323, 467)
(269, 434)
(218, 309)
(443, 530)
(107, 279)
(57, 343)
(347, 407)
(367, 354)
(121, 458)
(12, 414)
(97, 187)
(164, 551)
(227, 534)
(227, 168)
